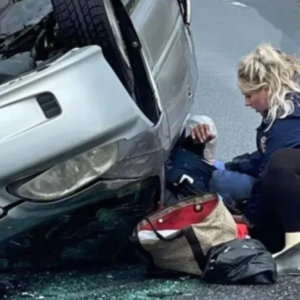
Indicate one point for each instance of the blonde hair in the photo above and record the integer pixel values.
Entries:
(270, 68)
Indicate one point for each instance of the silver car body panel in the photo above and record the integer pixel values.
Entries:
(168, 47)
(96, 110)
(87, 118)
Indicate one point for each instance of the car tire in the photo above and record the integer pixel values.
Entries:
(93, 22)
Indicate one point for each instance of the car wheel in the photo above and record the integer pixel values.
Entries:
(93, 22)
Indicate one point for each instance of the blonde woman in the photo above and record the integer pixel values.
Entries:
(269, 80)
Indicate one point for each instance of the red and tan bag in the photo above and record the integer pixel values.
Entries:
(177, 238)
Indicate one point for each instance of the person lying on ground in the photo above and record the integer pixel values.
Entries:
(235, 186)
(269, 80)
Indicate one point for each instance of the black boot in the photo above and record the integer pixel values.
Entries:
(288, 262)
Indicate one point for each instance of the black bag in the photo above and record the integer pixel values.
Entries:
(240, 262)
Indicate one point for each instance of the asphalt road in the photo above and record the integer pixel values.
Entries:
(224, 31)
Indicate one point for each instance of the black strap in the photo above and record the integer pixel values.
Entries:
(134, 240)
(192, 240)
(159, 236)
(196, 247)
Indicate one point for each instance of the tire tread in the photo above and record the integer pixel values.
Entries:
(85, 22)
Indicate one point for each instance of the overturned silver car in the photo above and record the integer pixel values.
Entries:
(94, 94)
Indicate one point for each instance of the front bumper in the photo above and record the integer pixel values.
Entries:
(91, 230)
(23, 215)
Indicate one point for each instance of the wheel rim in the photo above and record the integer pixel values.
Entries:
(116, 30)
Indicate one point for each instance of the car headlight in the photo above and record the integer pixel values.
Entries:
(69, 176)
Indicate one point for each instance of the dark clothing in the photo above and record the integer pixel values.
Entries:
(187, 158)
(284, 134)
(281, 183)
(246, 164)
(184, 162)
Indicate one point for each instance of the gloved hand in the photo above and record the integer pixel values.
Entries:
(231, 166)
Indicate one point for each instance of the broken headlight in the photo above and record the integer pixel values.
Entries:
(69, 176)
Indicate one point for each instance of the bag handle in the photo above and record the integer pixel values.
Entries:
(192, 239)
(159, 236)
(191, 190)
(195, 245)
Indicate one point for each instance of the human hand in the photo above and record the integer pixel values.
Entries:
(201, 134)
(231, 166)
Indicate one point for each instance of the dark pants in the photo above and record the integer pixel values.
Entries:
(281, 183)
(281, 186)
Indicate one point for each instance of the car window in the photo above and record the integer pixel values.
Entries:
(130, 4)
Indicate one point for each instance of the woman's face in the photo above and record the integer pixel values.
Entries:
(258, 100)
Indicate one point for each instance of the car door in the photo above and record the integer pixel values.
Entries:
(168, 49)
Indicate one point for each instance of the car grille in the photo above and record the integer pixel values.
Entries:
(49, 105)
